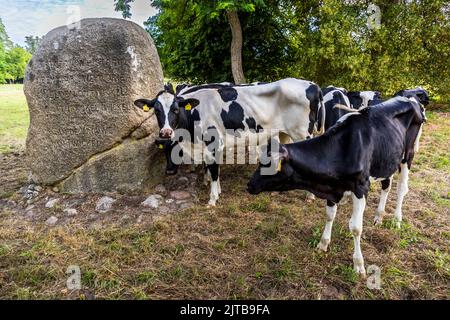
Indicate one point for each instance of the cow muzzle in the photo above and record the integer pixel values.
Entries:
(166, 133)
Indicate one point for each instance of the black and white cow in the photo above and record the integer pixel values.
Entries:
(333, 99)
(420, 93)
(293, 107)
(371, 144)
(362, 99)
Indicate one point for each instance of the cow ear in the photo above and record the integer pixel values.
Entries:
(284, 164)
(284, 154)
(180, 87)
(145, 104)
(188, 104)
(169, 88)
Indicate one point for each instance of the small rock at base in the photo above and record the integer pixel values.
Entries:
(160, 189)
(51, 203)
(71, 212)
(104, 204)
(164, 209)
(180, 195)
(152, 201)
(186, 205)
(51, 221)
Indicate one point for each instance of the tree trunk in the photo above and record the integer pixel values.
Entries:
(236, 47)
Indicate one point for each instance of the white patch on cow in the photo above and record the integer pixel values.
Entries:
(402, 190)
(366, 96)
(356, 225)
(373, 179)
(166, 100)
(326, 236)
(134, 58)
(330, 95)
(417, 143)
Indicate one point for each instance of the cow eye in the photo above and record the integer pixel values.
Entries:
(176, 111)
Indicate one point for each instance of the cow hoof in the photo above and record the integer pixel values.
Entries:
(310, 197)
(398, 224)
(378, 220)
(211, 204)
(359, 269)
(323, 245)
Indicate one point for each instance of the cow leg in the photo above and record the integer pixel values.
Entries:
(219, 188)
(385, 188)
(326, 236)
(402, 190)
(214, 194)
(417, 143)
(356, 225)
(206, 177)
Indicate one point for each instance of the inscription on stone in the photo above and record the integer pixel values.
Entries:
(80, 87)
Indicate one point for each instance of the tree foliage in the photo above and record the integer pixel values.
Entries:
(328, 41)
(13, 58)
(32, 43)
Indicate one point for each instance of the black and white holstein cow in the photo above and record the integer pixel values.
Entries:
(293, 107)
(333, 100)
(371, 144)
(363, 99)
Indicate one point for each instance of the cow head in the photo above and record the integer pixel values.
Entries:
(420, 94)
(170, 110)
(279, 181)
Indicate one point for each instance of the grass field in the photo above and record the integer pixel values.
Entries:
(249, 247)
(14, 117)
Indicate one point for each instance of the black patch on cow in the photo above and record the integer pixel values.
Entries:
(385, 184)
(234, 118)
(181, 87)
(195, 115)
(228, 94)
(214, 171)
(327, 89)
(355, 99)
(251, 122)
(313, 94)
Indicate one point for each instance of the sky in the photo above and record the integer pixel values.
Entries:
(37, 17)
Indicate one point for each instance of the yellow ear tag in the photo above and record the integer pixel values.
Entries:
(279, 165)
(188, 107)
(160, 146)
(146, 108)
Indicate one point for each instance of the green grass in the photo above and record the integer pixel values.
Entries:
(14, 117)
(247, 247)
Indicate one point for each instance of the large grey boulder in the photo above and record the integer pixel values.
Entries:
(85, 133)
